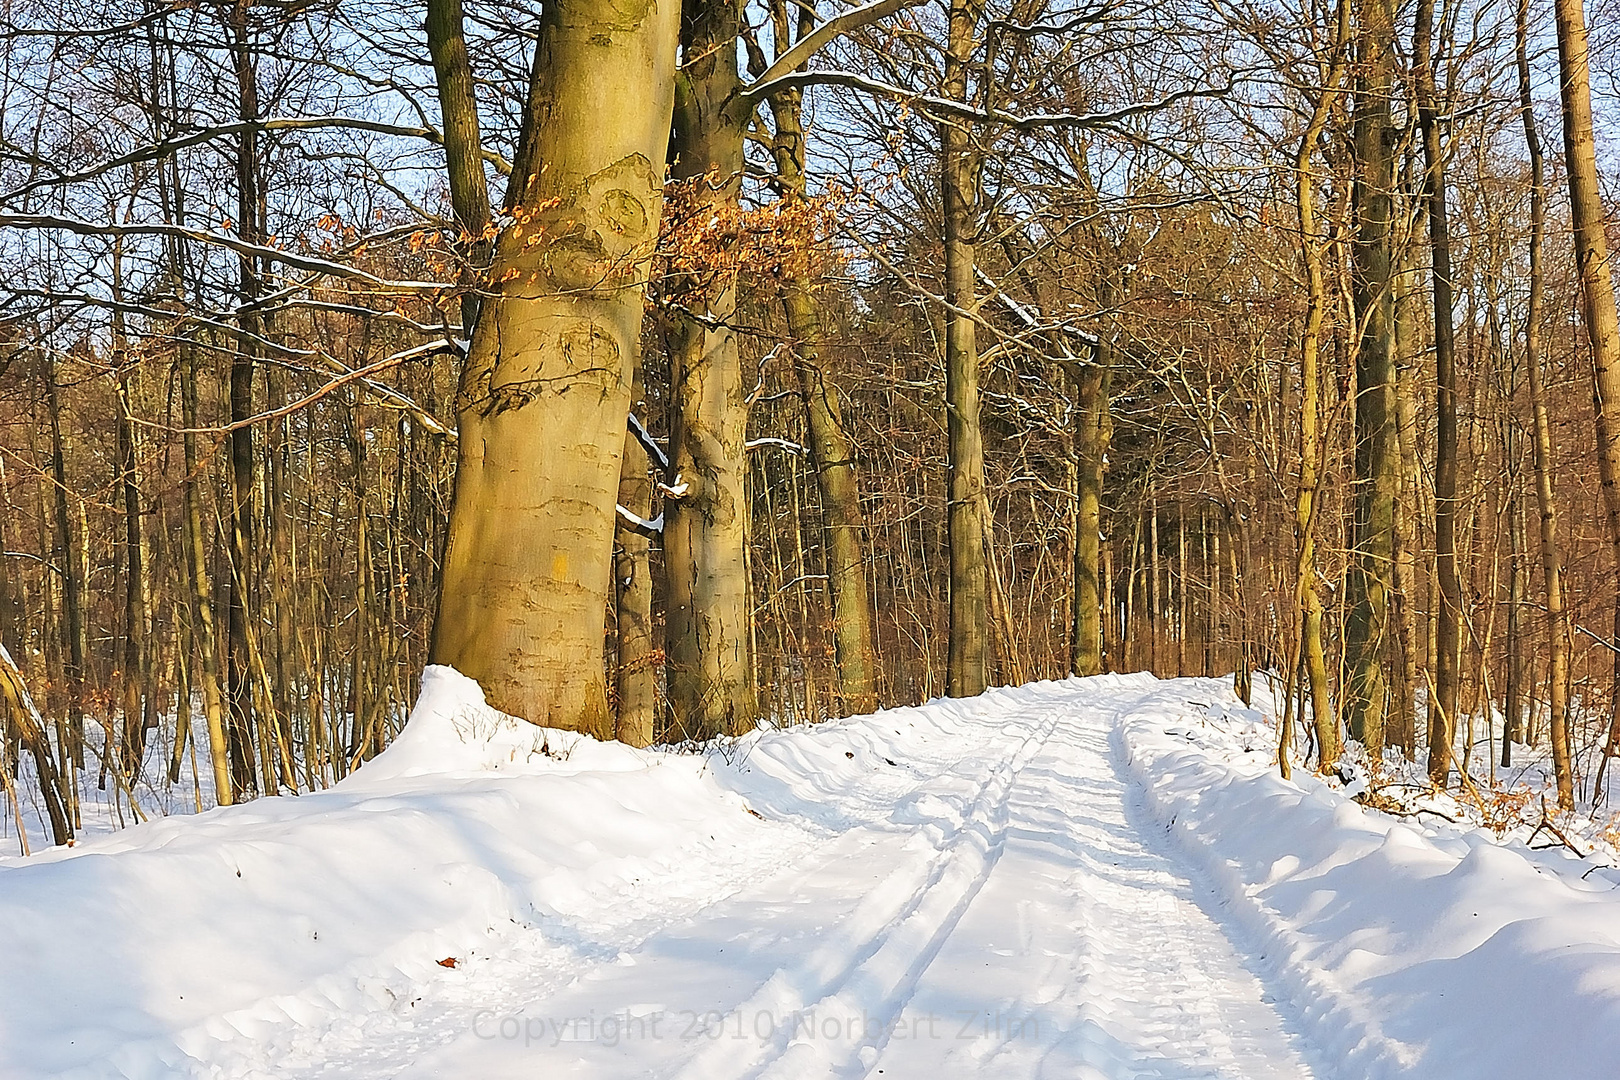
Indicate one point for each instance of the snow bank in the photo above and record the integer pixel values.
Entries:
(154, 951)
(1410, 951)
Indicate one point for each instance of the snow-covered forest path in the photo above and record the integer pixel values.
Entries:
(990, 905)
(1094, 879)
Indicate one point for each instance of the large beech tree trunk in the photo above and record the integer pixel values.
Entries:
(529, 557)
(708, 625)
(1369, 584)
(959, 181)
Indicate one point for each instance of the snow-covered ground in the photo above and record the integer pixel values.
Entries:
(1097, 878)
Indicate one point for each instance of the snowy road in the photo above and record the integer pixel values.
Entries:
(990, 905)
(1095, 879)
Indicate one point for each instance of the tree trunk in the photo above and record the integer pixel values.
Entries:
(529, 557)
(1443, 708)
(1155, 591)
(73, 579)
(134, 660)
(1307, 599)
(1368, 587)
(1181, 588)
(708, 628)
(635, 679)
(1091, 453)
(239, 669)
(463, 148)
(960, 166)
(1598, 308)
(1552, 559)
(1401, 728)
(832, 453)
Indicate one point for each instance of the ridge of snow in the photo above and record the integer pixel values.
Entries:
(1411, 951)
(221, 944)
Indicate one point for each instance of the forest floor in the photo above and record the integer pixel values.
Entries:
(1099, 878)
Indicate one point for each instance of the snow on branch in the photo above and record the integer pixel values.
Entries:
(648, 443)
(811, 43)
(945, 107)
(790, 447)
(638, 524)
(1027, 317)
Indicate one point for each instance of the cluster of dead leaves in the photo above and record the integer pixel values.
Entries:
(703, 238)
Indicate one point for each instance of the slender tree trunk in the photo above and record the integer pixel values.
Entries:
(1155, 592)
(463, 147)
(1112, 634)
(960, 167)
(134, 660)
(708, 627)
(1132, 635)
(1409, 310)
(635, 678)
(1598, 307)
(1181, 588)
(73, 579)
(1369, 582)
(1513, 643)
(528, 561)
(1443, 709)
(832, 453)
(1552, 560)
(1091, 452)
(239, 676)
(1307, 599)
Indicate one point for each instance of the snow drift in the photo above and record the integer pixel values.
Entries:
(144, 953)
(1410, 951)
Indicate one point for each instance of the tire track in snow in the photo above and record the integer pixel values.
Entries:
(869, 965)
(530, 968)
(1087, 954)
(992, 906)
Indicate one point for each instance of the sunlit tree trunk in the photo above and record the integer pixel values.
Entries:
(1094, 429)
(463, 149)
(1368, 587)
(635, 679)
(708, 624)
(960, 166)
(1448, 648)
(529, 557)
(832, 453)
(1591, 252)
(1401, 728)
(1307, 599)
